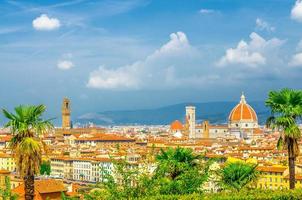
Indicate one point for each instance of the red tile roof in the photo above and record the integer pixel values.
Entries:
(271, 169)
(105, 137)
(42, 187)
(176, 125)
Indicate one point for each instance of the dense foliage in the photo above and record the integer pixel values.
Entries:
(45, 168)
(178, 171)
(255, 194)
(238, 175)
(6, 193)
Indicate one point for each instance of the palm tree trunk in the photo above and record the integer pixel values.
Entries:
(29, 186)
(291, 166)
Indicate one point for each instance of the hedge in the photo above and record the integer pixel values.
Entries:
(244, 194)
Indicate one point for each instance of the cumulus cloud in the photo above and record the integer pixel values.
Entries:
(44, 23)
(263, 25)
(296, 60)
(296, 12)
(251, 53)
(65, 64)
(165, 67)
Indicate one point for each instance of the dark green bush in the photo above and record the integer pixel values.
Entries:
(256, 194)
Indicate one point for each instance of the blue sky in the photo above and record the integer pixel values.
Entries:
(131, 54)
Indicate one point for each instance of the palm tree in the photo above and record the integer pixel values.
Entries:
(26, 144)
(237, 175)
(286, 109)
(173, 162)
(179, 171)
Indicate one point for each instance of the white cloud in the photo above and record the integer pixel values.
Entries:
(65, 64)
(166, 67)
(44, 23)
(251, 54)
(296, 12)
(206, 11)
(263, 25)
(299, 46)
(296, 60)
(124, 77)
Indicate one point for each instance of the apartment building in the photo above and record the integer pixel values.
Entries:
(62, 167)
(81, 169)
(7, 163)
(277, 177)
(272, 177)
(91, 169)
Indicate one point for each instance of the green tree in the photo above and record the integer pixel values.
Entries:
(237, 175)
(173, 162)
(64, 197)
(6, 193)
(26, 126)
(286, 110)
(45, 168)
(124, 181)
(179, 171)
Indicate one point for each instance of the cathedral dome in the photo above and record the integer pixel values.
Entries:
(176, 125)
(243, 112)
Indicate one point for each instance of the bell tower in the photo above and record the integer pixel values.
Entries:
(190, 116)
(66, 122)
(206, 129)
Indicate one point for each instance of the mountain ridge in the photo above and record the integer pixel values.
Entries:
(215, 112)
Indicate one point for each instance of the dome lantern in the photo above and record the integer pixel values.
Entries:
(242, 99)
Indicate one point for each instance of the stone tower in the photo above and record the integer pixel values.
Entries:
(66, 122)
(190, 116)
(206, 129)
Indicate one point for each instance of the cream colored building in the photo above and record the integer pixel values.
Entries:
(213, 131)
(62, 167)
(7, 162)
(91, 170)
(81, 169)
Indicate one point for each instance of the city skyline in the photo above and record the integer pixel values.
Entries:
(138, 54)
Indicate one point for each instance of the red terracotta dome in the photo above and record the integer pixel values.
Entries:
(243, 112)
(176, 125)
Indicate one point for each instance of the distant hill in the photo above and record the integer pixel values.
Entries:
(216, 112)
